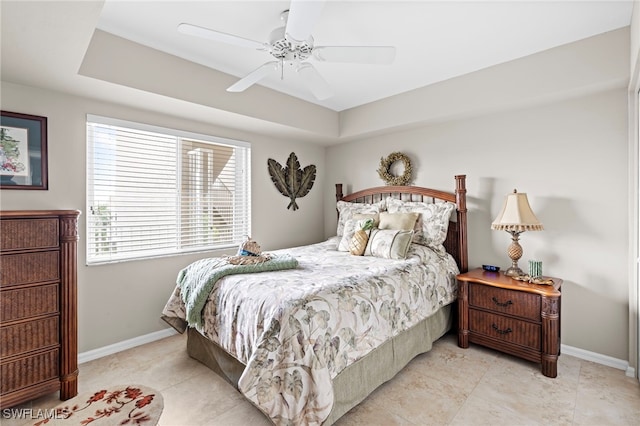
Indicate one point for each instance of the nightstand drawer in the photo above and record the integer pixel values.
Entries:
(517, 303)
(503, 328)
(30, 268)
(29, 336)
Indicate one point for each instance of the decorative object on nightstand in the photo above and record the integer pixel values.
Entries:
(516, 317)
(535, 274)
(516, 217)
(535, 268)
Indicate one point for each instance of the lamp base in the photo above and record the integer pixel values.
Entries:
(515, 252)
(514, 272)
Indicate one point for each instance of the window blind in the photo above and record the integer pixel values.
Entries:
(153, 191)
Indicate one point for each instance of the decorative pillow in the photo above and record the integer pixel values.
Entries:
(347, 210)
(433, 223)
(365, 216)
(350, 228)
(358, 242)
(388, 243)
(398, 221)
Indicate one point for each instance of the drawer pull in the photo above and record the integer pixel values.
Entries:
(507, 303)
(507, 331)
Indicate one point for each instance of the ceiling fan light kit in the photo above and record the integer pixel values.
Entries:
(283, 47)
(293, 44)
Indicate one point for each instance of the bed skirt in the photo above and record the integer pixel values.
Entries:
(355, 382)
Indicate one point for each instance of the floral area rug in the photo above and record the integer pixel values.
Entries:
(116, 405)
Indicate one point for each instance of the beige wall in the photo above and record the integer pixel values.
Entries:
(530, 125)
(570, 158)
(122, 301)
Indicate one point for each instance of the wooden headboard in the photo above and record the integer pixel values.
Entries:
(456, 241)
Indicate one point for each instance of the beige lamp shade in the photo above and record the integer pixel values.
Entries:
(516, 215)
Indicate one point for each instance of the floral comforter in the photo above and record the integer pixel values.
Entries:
(297, 329)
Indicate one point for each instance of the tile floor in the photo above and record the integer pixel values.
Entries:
(447, 386)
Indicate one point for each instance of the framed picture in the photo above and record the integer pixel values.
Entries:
(23, 151)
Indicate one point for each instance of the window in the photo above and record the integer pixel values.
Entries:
(153, 191)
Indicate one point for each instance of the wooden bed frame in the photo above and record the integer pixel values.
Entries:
(456, 241)
(357, 381)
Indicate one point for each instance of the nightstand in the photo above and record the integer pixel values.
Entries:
(511, 316)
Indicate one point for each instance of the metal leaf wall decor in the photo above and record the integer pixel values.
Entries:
(292, 181)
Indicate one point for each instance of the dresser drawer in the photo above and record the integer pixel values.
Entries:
(27, 371)
(29, 268)
(504, 328)
(29, 336)
(517, 303)
(28, 302)
(18, 234)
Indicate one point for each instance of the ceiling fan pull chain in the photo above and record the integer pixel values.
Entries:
(282, 69)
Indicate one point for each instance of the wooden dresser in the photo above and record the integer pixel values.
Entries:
(512, 316)
(38, 305)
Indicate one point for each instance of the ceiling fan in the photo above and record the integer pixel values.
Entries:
(292, 45)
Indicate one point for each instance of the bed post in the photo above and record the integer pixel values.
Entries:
(461, 202)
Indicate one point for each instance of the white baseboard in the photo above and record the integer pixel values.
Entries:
(620, 364)
(83, 357)
(124, 345)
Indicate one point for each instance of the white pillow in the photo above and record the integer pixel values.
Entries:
(388, 243)
(347, 210)
(433, 223)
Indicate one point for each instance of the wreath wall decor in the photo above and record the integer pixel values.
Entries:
(384, 171)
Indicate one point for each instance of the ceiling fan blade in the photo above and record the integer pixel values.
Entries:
(303, 15)
(318, 85)
(254, 76)
(356, 54)
(207, 33)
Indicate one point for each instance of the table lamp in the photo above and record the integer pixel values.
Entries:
(516, 217)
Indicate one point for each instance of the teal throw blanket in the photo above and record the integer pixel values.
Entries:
(197, 280)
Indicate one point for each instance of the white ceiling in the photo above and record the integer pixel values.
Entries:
(435, 40)
(55, 45)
